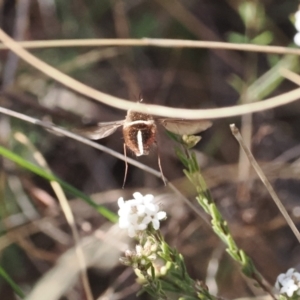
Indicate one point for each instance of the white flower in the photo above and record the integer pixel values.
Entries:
(288, 283)
(135, 215)
(297, 26)
(297, 39)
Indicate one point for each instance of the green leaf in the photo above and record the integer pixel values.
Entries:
(152, 272)
(270, 80)
(265, 38)
(273, 59)
(248, 266)
(247, 12)
(233, 255)
(253, 14)
(203, 202)
(234, 37)
(149, 290)
(215, 213)
(49, 176)
(173, 136)
(195, 162)
(182, 157)
(236, 82)
(13, 285)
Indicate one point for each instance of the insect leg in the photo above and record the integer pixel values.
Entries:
(159, 165)
(126, 166)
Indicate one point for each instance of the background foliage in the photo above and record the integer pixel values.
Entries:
(34, 233)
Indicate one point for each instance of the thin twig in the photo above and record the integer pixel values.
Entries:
(141, 107)
(290, 75)
(265, 181)
(148, 42)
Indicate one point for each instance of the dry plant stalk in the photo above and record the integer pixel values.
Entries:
(265, 181)
(20, 137)
(158, 110)
(150, 42)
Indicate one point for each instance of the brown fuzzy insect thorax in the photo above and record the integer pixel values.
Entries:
(136, 116)
(139, 128)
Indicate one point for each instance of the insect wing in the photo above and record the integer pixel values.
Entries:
(182, 127)
(101, 130)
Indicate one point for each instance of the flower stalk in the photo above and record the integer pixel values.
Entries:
(219, 225)
(160, 269)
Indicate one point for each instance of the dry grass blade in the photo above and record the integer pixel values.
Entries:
(152, 109)
(66, 209)
(290, 75)
(265, 181)
(101, 250)
(256, 298)
(148, 42)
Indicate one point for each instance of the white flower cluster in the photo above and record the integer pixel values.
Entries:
(297, 26)
(136, 214)
(289, 283)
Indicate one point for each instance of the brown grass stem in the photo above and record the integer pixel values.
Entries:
(146, 108)
(149, 42)
(265, 181)
(20, 137)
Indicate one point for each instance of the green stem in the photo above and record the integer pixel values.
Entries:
(219, 225)
(14, 286)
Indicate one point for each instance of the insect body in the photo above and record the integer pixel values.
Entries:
(139, 131)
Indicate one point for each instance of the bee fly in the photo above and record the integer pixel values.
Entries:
(139, 131)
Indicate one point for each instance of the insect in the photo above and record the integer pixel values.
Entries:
(139, 131)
